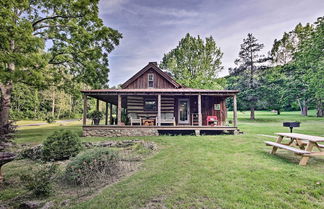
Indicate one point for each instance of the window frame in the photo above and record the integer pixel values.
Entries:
(150, 80)
(154, 106)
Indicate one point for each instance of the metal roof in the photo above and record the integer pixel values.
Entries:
(181, 90)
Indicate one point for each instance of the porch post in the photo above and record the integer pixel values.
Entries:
(234, 111)
(85, 109)
(119, 109)
(106, 119)
(159, 110)
(110, 114)
(199, 111)
(97, 105)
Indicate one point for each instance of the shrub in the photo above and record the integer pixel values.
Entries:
(49, 119)
(33, 153)
(40, 182)
(62, 145)
(92, 165)
(95, 115)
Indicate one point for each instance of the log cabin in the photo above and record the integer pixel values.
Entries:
(152, 102)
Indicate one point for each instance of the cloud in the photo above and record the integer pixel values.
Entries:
(110, 6)
(152, 28)
(164, 11)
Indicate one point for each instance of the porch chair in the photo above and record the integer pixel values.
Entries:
(134, 119)
(167, 118)
(211, 120)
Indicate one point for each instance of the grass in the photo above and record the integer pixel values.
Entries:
(222, 171)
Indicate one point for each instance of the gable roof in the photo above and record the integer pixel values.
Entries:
(151, 65)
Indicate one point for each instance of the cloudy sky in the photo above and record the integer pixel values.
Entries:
(152, 28)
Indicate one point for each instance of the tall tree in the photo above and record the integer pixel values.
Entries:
(194, 62)
(250, 63)
(77, 43)
(309, 60)
(283, 50)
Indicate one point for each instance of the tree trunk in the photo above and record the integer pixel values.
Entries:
(320, 109)
(305, 110)
(6, 91)
(303, 107)
(252, 117)
(53, 103)
(278, 112)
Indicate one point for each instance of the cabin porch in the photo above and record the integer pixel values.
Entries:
(151, 113)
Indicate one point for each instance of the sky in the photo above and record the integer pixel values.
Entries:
(151, 28)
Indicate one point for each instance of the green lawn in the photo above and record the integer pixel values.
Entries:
(222, 171)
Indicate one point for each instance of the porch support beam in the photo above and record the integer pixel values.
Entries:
(110, 114)
(159, 110)
(106, 118)
(234, 111)
(119, 110)
(199, 111)
(85, 109)
(97, 105)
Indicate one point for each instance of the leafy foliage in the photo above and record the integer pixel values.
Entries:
(78, 44)
(195, 63)
(40, 181)
(95, 115)
(49, 119)
(309, 62)
(61, 145)
(91, 166)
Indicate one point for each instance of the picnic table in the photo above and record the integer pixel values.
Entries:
(305, 144)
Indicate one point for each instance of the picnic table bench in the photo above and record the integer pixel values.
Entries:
(306, 143)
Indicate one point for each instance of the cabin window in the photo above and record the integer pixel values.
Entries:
(150, 80)
(149, 104)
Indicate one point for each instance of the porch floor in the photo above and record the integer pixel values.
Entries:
(178, 127)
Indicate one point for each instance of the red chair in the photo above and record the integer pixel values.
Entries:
(211, 120)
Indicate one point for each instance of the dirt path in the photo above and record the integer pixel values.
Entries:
(39, 124)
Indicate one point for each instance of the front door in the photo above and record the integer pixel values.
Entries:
(183, 111)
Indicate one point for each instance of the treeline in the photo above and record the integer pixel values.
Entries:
(31, 103)
(49, 50)
(290, 77)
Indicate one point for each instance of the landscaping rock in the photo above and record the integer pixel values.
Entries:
(31, 205)
(48, 205)
(108, 132)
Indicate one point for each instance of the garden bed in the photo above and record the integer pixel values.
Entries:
(13, 193)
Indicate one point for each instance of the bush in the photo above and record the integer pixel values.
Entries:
(95, 115)
(92, 165)
(49, 119)
(62, 145)
(40, 182)
(33, 153)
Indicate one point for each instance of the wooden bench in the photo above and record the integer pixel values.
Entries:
(293, 149)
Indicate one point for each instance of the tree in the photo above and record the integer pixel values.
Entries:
(77, 43)
(250, 63)
(309, 60)
(195, 63)
(283, 53)
(283, 50)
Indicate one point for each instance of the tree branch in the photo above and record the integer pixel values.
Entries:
(52, 18)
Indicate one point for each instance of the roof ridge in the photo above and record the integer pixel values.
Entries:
(154, 66)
